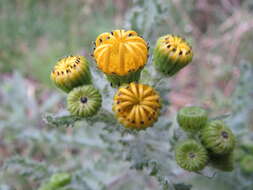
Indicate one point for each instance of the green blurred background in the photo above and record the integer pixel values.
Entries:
(34, 34)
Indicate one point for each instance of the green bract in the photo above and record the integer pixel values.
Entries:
(191, 155)
(117, 81)
(192, 118)
(60, 179)
(217, 137)
(57, 182)
(84, 101)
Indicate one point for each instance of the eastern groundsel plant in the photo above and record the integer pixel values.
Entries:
(121, 56)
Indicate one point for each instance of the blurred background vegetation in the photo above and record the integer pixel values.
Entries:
(34, 34)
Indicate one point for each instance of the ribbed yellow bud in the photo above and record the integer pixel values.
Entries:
(121, 55)
(70, 72)
(137, 106)
(171, 54)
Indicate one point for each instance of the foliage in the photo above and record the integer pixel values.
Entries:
(37, 136)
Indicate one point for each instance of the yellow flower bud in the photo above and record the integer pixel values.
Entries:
(70, 72)
(137, 106)
(121, 55)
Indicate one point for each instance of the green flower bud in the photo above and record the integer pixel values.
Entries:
(71, 72)
(217, 137)
(192, 118)
(247, 164)
(191, 155)
(84, 101)
(60, 180)
(171, 54)
(222, 162)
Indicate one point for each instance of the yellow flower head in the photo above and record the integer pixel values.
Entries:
(120, 52)
(136, 105)
(70, 72)
(175, 47)
(171, 54)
